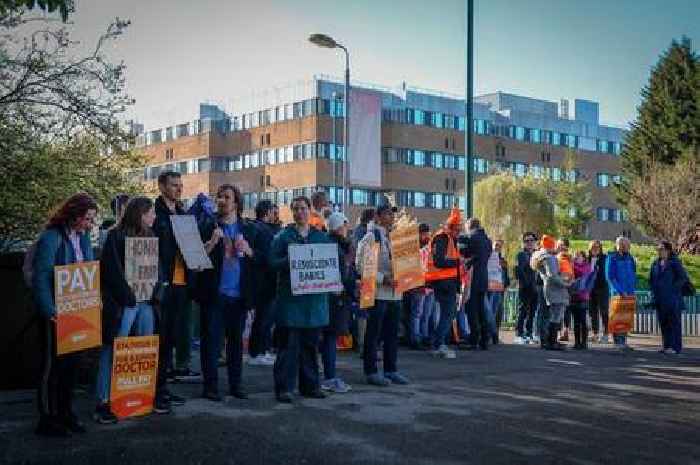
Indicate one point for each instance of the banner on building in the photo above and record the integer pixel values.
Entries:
(78, 307)
(134, 373)
(365, 168)
(621, 318)
(190, 242)
(314, 268)
(368, 281)
(141, 266)
(405, 257)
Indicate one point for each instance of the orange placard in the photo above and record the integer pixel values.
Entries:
(368, 282)
(621, 318)
(78, 307)
(406, 258)
(134, 372)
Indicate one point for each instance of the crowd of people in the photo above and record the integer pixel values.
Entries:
(461, 304)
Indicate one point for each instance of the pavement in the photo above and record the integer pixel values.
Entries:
(509, 405)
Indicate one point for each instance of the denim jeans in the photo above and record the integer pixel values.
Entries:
(494, 304)
(140, 318)
(417, 297)
(447, 299)
(383, 323)
(620, 339)
(328, 352)
(427, 318)
(226, 315)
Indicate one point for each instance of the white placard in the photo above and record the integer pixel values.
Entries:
(141, 266)
(190, 243)
(314, 268)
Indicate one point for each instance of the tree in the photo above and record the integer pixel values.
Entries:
(571, 199)
(64, 7)
(507, 206)
(665, 202)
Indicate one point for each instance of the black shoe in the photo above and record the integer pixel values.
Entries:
(466, 346)
(104, 416)
(238, 393)
(495, 341)
(212, 395)
(161, 406)
(285, 398)
(318, 394)
(170, 376)
(73, 424)
(185, 374)
(49, 427)
(173, 399)
(483, 346)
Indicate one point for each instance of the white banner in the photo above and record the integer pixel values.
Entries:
(314, 268)
(190, 242)
(365, 152)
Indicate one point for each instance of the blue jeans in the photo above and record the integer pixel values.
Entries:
(142, 316)
(328, 352)
(427, 318)
(494, 304)
(225, 315)
(447, 299)
(383, 323)
(418, 319)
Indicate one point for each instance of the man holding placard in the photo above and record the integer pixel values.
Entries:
(303, 258)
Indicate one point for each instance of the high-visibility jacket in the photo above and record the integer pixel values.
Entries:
(433, 273)
(565, 266)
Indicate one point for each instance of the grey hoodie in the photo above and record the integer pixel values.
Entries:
(556, 289)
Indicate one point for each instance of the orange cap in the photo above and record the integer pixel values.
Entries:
(548, 242)
(455, 217)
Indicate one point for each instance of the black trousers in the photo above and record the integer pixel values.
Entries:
(598, 306)
(172, 308)
(579, 311)
(261, 330)
(58, 375)
(297, 355)
(527, 305)
(478, 321)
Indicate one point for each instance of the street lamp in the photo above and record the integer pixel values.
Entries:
(325, 41)
(469, 139)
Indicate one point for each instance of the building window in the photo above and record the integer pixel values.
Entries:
(438, 160)
(460, 163)
(520, 133)
(556, 174)
(602, 214)
(556, 138)
(537, 171)
(297, 110)
(419, 199)
(419, 158)
(536, 136)
(603, 180)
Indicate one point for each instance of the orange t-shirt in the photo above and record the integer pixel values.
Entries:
(316, 221)
(179, 275)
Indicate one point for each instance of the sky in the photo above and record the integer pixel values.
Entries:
(179, 53)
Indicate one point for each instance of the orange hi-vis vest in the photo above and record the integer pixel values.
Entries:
(432, 273)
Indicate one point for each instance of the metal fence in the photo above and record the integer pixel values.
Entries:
(645, 320)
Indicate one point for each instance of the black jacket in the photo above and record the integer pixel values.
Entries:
(116, 293)
(525, 275)
(167, 245)
(600, 284)
(208, 281)
(478, 247)
(339, 305)
(265, 279)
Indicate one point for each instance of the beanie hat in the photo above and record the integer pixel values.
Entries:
(455, 217)
(548, 242)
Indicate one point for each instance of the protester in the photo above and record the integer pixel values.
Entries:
(600, 295)
(443, 276)
(122, 315)
(321, 210)
(339, 305)
(667, 279)
(478, 248)
(383, 321)
(566, 268)
(65, 240)
(176, 279)
(368, 215)
(299, 318)
(265, 281)
(556, 292)
(226, 291)
(579, 300)
(421, 299)
(527, 291)
(621, 273)
(497, 284)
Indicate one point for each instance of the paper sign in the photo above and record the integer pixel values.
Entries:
(78, 307)
(190, 242)
(405, 258)
(134, 373)
(141, 266)
(368, 282)
(314, 268)
(622, 309)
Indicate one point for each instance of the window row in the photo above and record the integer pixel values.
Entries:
(612, 215)
(605, 179)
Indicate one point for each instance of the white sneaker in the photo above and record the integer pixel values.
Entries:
(535, 339)
(519, 340)
(444, 352)
(261, 361)
(270, 356)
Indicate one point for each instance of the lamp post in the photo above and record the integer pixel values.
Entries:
(469, 139)
(325, 41)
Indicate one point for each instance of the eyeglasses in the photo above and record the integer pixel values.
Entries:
(529, 240)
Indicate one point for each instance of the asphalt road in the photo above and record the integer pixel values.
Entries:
(510, 405)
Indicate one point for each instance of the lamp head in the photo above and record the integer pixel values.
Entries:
(323, 40)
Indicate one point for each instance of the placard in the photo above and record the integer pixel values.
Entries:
(368, 281)
(190, 242)
(622, 309)
(314, 268)
(141, 266)
(405, 258)
(78, 307)
(134, 373)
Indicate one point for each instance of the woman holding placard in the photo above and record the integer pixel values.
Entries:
(66, 240)
(126, 308)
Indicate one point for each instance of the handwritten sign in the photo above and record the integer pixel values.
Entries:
(78, 307)
(405, 258)
(314, 268)
(134, 372)
(368, 282)
(190, 242)
(141, 266)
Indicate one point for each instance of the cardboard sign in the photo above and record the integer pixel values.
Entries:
(405, 258)
(78, 307)
(314, 268)
(190, 242)
(368, 282)
(134, 373)
(141, 266)
(622, 309)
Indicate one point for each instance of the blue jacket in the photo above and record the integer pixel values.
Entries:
(666, 284)
(53, 249)
(296, 311)
(621, 273)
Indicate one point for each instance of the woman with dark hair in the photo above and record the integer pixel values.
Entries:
(225, 292)
(600, 294)
(121, 313)
(667, 278)
(65, 240)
